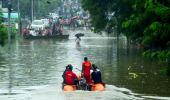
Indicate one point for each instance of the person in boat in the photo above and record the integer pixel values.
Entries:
(86, 66)
(64, 77)
(64, 74)
(70, 78)
(96, 74)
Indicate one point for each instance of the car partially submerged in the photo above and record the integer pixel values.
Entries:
(46, 22)
(37, 25)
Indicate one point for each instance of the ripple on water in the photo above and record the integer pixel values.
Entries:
(54, 91)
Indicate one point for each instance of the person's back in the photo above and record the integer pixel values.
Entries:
(96, 75)
(86, 66)
(63, 75)
(70, 77)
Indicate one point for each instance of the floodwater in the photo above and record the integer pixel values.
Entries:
(32, 69)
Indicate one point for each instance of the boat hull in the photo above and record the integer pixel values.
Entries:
(69, 88)
(98, 87)
(94, 87)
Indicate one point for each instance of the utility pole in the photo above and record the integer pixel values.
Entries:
(38, 8)
(32, 10)
(9, 43)
(19, 18)
(9, 20)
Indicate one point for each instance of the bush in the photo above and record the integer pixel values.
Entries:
(3, 35)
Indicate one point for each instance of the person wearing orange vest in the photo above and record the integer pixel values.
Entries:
(86, 66)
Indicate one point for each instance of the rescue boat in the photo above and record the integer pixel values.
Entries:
(98, 87)
(94, 87)
(69, 88)
(83, 86)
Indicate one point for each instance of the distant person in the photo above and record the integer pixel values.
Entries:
(78, 39)
(70, 77)
(25, 32)
(86, 66)
(96, 74)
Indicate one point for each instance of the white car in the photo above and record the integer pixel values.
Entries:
(38, 25)
(46, 22)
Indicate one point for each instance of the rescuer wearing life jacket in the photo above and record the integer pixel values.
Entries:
(70, 77)
(86, 66)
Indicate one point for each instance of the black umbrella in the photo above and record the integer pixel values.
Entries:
(79, 34)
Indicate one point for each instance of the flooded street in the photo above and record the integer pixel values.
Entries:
(32, 70)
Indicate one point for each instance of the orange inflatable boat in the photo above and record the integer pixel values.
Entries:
(94, 87)
(83, 86)
(69, 88)
(98, 87)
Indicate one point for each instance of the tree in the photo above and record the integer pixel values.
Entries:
(3, 32)
(143, 21)
(41, 7)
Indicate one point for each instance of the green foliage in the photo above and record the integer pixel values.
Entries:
(96, 9)
(41, 7)
(142, 21)
(3, 35)
(161, 55)
(44, 7)
(3, 31)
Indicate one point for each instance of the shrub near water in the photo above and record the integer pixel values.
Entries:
(3, 32)
(3, 35)
(163, 56)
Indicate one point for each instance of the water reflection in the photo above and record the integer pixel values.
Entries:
(3, 72)
(140, 74)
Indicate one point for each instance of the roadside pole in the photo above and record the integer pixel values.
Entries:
(32, 10)
(9, 21)
(9, 46)
(19, 18)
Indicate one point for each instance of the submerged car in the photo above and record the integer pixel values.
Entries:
(46, 22)
(38, 25)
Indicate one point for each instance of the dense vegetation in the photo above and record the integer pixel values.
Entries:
(143, 21)
(41, 7)
(3, 31)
